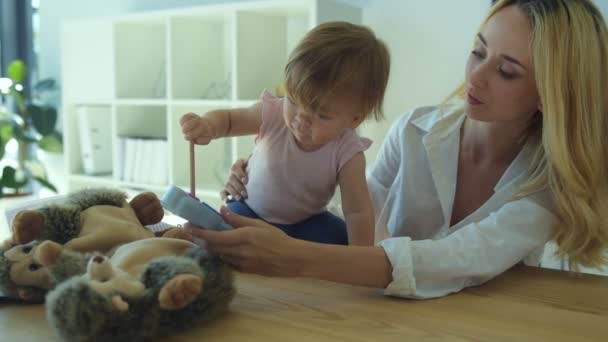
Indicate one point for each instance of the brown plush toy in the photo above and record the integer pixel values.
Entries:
(89, 220)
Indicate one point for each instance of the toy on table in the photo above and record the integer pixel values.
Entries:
(147, 289)
(189, 207)
(84, 221)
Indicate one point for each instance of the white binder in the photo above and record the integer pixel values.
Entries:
(94, 123)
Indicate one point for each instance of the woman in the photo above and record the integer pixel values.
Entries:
(462, 192)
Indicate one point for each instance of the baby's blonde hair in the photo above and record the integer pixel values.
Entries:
(339, 57)
(569, 44)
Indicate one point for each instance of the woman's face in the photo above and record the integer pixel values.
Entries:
(500, 84)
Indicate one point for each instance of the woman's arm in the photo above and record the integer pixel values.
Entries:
(355, 265)
(356, 202)
(257, 247)
(471, 255)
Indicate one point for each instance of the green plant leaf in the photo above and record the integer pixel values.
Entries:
(6, 134)
(44, 85)
(13, 179)
(11, 117)
(51, 143)
(19, 101)
(6, 131)
(43, 118)
(17, 71)
(45, 183)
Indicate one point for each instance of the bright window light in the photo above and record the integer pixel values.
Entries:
(5, 85)
(18, 87)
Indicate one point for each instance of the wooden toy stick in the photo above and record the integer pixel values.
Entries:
(192, 169)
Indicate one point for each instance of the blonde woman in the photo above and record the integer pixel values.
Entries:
(466, 190)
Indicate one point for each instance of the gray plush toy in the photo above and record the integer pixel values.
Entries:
(147, 289)
(85, 221)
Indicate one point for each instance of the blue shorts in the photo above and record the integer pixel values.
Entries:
(324, 227)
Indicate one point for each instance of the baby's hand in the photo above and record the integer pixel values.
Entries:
(196, 128)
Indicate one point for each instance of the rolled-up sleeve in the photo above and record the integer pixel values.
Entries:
(469, 256)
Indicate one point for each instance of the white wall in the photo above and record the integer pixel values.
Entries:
(429, 43)
(603, 5)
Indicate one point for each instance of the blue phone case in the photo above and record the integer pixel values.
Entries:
(185, 206)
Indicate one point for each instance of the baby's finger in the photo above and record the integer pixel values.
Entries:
(187, 117)
(202, 140)
(233, 191)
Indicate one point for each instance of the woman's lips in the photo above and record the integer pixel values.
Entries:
(473, 100)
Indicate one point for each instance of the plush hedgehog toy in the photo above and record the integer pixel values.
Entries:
(147, 289)
(86, 221)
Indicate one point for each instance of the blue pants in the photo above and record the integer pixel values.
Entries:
(325, 227)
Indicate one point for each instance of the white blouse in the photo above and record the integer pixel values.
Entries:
(412, 185)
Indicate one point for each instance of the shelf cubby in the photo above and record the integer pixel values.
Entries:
(72, 136)
(264, 39)
(201, 56)
(148, 121)
(141, 58)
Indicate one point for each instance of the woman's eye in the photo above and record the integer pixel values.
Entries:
(34, 267)
(506, 75)
(26, 249)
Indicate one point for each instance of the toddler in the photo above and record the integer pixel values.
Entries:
(306, 142)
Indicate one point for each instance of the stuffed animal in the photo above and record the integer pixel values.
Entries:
(88, 220)
(147, 289)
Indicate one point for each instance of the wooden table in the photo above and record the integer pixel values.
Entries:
(523, 304)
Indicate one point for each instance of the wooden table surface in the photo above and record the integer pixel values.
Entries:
(523, 304)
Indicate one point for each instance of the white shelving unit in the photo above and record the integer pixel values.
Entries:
(151, 68)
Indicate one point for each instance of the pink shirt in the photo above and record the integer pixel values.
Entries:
(286, 184)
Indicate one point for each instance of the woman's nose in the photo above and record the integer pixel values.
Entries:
(479, 75)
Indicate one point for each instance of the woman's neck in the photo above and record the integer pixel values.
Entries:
(490, 142)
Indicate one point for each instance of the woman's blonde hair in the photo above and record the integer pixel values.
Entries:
(335, 57)
(569, 43)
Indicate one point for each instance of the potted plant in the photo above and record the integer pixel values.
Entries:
(30, 128)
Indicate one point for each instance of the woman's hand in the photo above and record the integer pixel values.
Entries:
(235, 186)
(254, 246)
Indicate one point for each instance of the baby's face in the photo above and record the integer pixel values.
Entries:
(313, 130)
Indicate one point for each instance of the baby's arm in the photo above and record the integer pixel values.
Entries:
(221, 123)
(356, 202)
